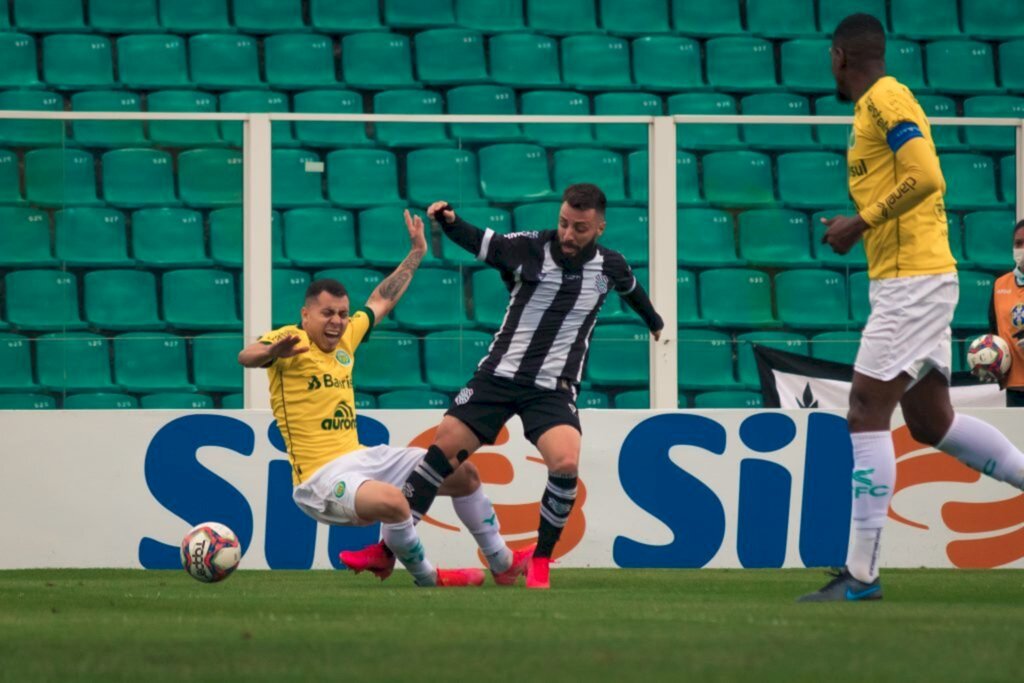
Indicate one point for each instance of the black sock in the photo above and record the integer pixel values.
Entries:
(555, 507)
(420, 488)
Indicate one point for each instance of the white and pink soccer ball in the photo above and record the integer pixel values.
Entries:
(210, 552)
(988, 358)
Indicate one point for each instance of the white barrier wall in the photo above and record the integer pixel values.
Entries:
(726, 488)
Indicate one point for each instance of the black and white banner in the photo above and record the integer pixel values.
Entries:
(790, 380)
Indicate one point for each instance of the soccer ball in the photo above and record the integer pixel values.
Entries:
(988, 358)
(210, 552)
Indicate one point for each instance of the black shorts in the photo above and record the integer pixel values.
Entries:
(487, 403)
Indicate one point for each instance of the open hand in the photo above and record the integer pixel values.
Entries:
(286, 347)
(415, 226)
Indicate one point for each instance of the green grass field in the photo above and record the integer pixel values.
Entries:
(694, 625)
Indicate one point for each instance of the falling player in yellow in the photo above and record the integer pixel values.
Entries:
(905, 349)
(336, 479)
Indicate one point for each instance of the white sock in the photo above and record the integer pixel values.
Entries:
(874, 476)
(406, 545)
(477, 514)
(982, 447)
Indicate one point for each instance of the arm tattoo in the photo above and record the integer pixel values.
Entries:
(393, 285)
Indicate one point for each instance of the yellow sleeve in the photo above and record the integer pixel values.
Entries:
(358, 330)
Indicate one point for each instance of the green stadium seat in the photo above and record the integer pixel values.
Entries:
(18, 53)
(736, 297)
(525, 60)
(226, 238)
(451, 174)
(450, 357)
(998, 138)
(10, 179)
(215, 362)
(557, 103)
(808, 180)
(703, 136)
(183, 133)
(25, 238)
(831, 12)
(91, 237)
(418, 13)
(267, 16)
(625, 104)
(450, 56)
(485, 100)
(435, 303)
(360, 283)
(288, 295)
(299, 60)
(222, 61)
(194, 16)
(687, 311)
(838, 347)
(596, 62)
(169, 238)
(320, 238)
(134, 178)
(30, 132)
(514, 173)
(344, 16)
(634, 17)
(47, 17)
(687, 182)
(738, 179)
(200, 299)
(327, 133)
(705, 360)
(357, 178)
(987, 239)
(956, 240)
(209, 178)
(77, 62)
(490, 16)
(100, 400)
(601, 167)
(970, 181)
(775, 238)
(232, 401)
(593, 399)
(145, 362)
(638, 399)
(814, 299)
(121, 300)
(855, 258)
(1008, 178)
(389, 361)
(627, 233)
(383, 240)
(781, 18)
(482, 217)
(60, 177)
(296, 178)
(412, 399)
(16, 363)
(73, 361)
(123, 16)
(740, 63)
(107, 133)
(705, 239)
(365, 401)
(975, 294)
(490, 298)
(409, 134)
(772, 136)
(539, 216)
(619, 355)
(925, 19)
(1011, 53)
(27, 402)
(860, 301)
(26, 288)
(835, 137)
(711, 400)
(667, 63)
(377, 61)
(945, 137)
(805, 65)
(176, 401)
(904, 61)
(988, 19)
(961, 67)
(561, 17)
(248, 101)
(706, 19)
(746, 362)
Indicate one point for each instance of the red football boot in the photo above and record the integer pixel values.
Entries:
(375, 558)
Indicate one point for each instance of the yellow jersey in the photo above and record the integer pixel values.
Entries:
(313, 398)
(917, 242)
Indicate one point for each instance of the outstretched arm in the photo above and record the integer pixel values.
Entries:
(457, 230)
(260, 354)
(390, 290)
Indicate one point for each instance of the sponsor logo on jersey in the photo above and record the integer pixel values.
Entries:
(463, 396)
(314, 383)
(344, 418)
(328, 381)
(343, 357)
(601, 283)
(858, 169)
(339, 489)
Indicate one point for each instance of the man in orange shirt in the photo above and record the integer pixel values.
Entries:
(1006, 318)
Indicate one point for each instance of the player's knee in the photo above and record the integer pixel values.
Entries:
(465, 481)
(566, 464)
(393, 507)
(861, 417)
(924, 431)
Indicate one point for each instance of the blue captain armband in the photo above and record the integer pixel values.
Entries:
(902, 133)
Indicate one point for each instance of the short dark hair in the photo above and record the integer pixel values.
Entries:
(584, 196)
(862, 38)
(325, 284)
(1020, 224)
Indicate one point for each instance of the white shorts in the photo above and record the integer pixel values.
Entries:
(329, 496)
(909, 327)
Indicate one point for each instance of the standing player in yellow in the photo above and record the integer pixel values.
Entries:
(336, 479)
(905, 349)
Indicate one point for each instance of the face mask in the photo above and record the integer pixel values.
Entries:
(1018, 258)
